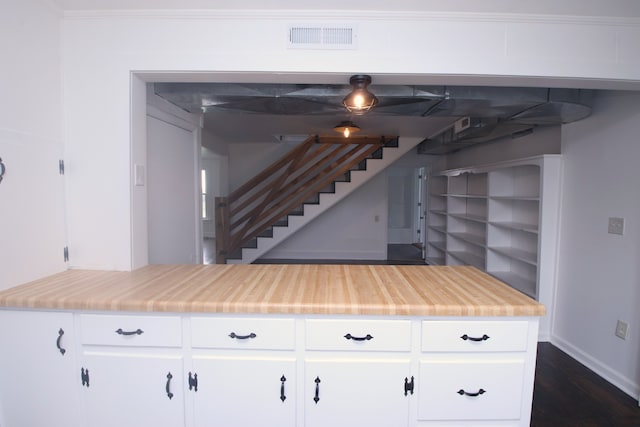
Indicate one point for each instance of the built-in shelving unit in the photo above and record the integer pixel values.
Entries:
(501, 218)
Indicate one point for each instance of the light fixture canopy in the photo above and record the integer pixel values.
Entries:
(360, 100)
(346, 128)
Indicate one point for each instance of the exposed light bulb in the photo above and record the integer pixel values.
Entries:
(346, 132)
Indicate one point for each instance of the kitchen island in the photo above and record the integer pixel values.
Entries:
(272, 345)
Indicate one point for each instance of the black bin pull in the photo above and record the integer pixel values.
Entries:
(466, 337)
(138, 331)
(242, 337)
(365, 338)
(58, 344)
(461, 392)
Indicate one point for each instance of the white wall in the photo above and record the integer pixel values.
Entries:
(172, 194)
(355, 228)
(102, 49)
(32, 191)
(599, 273)
(217, 171)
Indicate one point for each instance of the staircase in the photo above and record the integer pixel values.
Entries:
(293, 191)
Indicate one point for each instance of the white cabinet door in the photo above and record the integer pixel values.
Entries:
(38, 378)
(244, 391)
(133, 390)
(357, 392)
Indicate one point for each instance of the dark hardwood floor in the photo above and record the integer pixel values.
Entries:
(566, 393)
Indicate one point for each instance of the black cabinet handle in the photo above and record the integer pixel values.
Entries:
(60, 334)
(168, 386)
(365, 338)
(193, 382)
(317, 396)
(282, 381)
(119, 331)
(461, 392)
(84, 377)
(477, 339)
(408, 385)
(242, 337)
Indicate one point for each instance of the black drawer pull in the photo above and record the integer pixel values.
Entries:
(476, 339)
(242, 337)
(316, 398)
(365, 338)
(282, 395)
(60, 334)
(461, 392)
(167, 388)
(119, 331)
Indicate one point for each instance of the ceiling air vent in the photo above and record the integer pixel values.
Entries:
(322, 37)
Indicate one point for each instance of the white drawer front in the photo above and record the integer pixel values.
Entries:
(477, 390)
(484, 336)
(243, 333)
(123, 330)
(358, 335)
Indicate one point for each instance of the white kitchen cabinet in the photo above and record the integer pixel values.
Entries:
(475, 372)
(239, 383)
(463, 388)
(240, 391)
(38, 376)
(364, 380)
(189, 370)
(132, 370)
(133, 389)
(503, 219)
(352, 391)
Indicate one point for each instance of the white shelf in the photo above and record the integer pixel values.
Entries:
(519, 226)
(471, 238)
(438, 228)
(437, 212)
(468, 217)
(519, 254)
(526, 286)
(517, 198)
(468, 196)
(468, 258)
(441, 246)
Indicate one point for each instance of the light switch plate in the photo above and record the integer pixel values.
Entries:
(139, 175)
(616, 225)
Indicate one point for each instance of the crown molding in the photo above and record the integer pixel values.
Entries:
(350, 15)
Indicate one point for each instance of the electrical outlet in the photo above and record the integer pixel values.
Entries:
(621, 329)
(616, 225)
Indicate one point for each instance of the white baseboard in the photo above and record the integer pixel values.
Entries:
(615, 378)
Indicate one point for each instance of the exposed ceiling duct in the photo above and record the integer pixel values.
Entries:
(484, 113)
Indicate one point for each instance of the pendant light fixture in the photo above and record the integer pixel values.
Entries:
(360, 100)
(346, 128)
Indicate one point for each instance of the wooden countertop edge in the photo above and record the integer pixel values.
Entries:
(54, 293)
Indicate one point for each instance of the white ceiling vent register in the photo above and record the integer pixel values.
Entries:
(322, 36)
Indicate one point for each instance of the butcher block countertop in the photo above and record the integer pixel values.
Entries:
(279, 289)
